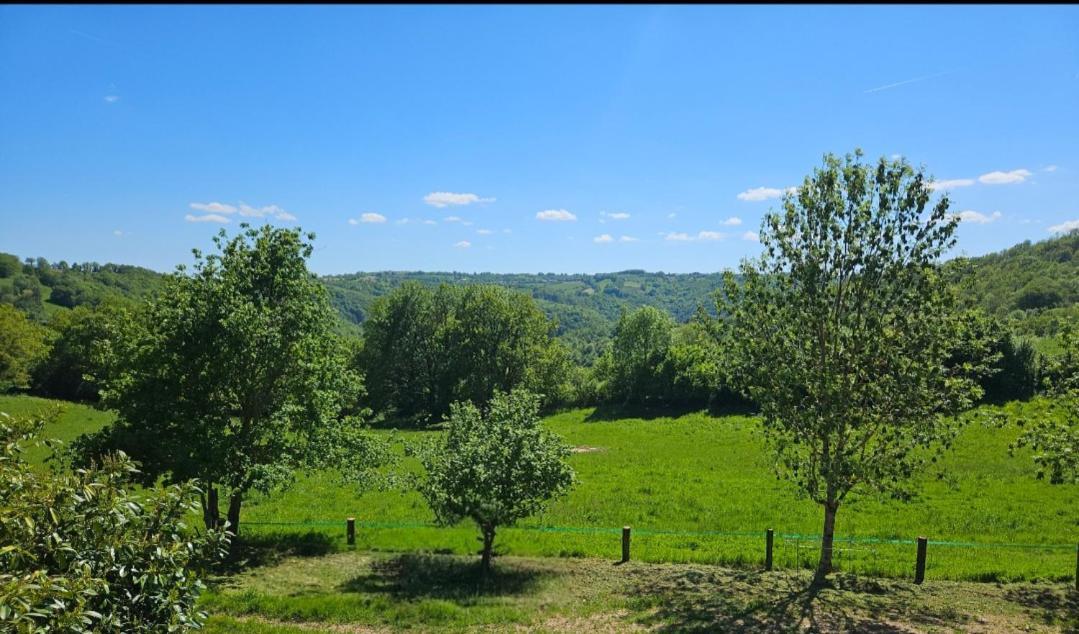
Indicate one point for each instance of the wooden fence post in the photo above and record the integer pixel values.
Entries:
(768, 538)
(625, 544)
(350, 531)
(919, 567)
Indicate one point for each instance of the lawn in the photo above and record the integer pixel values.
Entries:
(381, 592)
(697, 488)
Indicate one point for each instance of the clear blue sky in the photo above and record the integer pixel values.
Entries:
(127, 134)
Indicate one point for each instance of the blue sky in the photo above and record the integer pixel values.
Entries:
(515, 139)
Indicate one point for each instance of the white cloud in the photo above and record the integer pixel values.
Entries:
(372, 218)
(445, 199)
(206, 218)
(603, 239)
(951, 184)
(452, 219)
(702, 236)
(402, 221)
(733, 221)
(353, 221)
(751, 236)
(118, 233)
(760, 193)
(429, 222)
(484, 232)
(557, 215)
(213, 208)
(976, 217)
(617, 215)
(627, 239)
(112, 98)
(1050, 168)
(1065, 227)
(286, 216)
(1004, 178)
(672, 215)
(463, 244)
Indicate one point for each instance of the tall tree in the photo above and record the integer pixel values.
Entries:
(842, 329)
(22, 344)
(232, 374)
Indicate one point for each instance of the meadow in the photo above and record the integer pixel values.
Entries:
(698, 488)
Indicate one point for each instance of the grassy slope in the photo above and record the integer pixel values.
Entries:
(696, 474)
(364, 592)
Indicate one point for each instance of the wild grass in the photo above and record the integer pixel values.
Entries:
(697, 488)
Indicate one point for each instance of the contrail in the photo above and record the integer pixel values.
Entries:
(906, 81)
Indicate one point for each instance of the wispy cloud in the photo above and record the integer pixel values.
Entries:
(603, 239)
(463, 244)
(751, 236)
(1004, 178)
(112, 98)
(617, 215)
(446, 199)
(430, 222)
(453, 219)
(402, 221)
(733, 221)
(951, 184)
(905, 82)
(555, 215)
(484, 232)
(213, 208)
(1065, 227)
(206, 218)
(372, 218)
(764, 193)
(702, 236)
(627, 239)
(118, 233)
(1049, 168)
(976, 217)
(222, 209)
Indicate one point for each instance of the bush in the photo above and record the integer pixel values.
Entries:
(78, 552)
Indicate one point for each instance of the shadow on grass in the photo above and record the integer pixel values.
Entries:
(612, 411)
(755, 602)
(434, 577)
(1052, 607)
(263, 549)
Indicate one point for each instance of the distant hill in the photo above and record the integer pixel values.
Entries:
(1033, 285)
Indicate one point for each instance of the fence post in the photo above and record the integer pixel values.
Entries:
(919, 567)
(769, 536)
(350, 531)
(625, 544)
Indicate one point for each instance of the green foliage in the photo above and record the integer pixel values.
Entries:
(495, 466)
(22, 344)
(842, 329)
(81, 553)
(426, 348)
(1054, 436)
(71, 369)
(233, 376)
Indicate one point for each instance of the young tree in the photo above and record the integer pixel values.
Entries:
(841, 332)
(495, 467)
(637, 367)
(232, 374)
(83, 554)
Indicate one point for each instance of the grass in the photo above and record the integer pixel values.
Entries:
(373, 592)
(699, 489)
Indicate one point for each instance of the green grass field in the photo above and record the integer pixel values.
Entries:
(699, 489)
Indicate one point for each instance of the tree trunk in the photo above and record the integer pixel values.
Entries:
(234, 512)
(488, 542)
(211, 516)
(825, 565)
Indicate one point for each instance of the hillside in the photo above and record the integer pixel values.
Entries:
(1033, 285)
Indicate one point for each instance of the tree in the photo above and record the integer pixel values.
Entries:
(842, 328)
(22, 344)
(81, 553)
(637, 368)
(233, 376)
(71, 369)
(495, 466)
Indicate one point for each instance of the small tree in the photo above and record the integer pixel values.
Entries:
(495, 467)
(233, 375)
(80, 553)
(842, 329)
(1053, 435)
(22, 344)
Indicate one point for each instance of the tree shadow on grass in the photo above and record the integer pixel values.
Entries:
(756, 602)
(263, 549)
(412, 576)
(646, 412)
(1049, 605)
